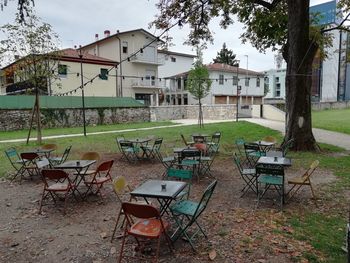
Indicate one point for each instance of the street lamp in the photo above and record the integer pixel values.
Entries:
(80, 54)
(237, 89)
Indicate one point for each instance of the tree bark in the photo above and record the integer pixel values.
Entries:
(300, 52)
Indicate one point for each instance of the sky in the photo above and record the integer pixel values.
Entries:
(77, 22)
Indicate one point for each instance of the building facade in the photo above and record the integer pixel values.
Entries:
(225, 80)
(137, 55)
(275, 81)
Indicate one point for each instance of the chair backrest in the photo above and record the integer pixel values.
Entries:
(311, 169)
(270, 139)
(237, 162)
(139, 210)
(190, 153)
(54, 174)
(12, 155)
(198, 138)
(215, 138)
(251, 147)
(29, 156)
(286, 146)
(274, 170)
(205, 199)
(125, 145)
(105, 166)
(49, 146)
(157, 144)
(179, 173)
(91, 156)
(119, 185)
(65, 154)
(183, 139)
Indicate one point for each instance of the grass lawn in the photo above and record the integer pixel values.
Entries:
(333, 120)
(323, 229)
(76, 130)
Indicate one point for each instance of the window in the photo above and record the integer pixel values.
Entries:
(277, 79)
(150, 78)
(178, 83)
(62, 71)
(247, 82)
(221, 79)
(258, 82)
(125, 47)
(234, 80)
(104, 74)
(173, 59)
(278, 90)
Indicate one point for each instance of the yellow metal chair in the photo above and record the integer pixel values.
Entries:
(49, 146)
(91, 156)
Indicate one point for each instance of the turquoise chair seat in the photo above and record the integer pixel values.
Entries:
(189, 162)
(248, 171)
(168, 159)
(269, 179)
(186, 207)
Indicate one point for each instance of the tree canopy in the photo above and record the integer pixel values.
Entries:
(226, 56)
(24, 8)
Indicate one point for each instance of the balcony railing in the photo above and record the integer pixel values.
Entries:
(141, 58)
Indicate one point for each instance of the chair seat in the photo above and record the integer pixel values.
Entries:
(205, 158)
(189, 162)
(269, 179)
(57, 187)
(55, 159)
(185, 207)
(150, 228)
(274, 154)
(168, 159)
(298, 180)
(21, 160)
(247, 171)
(88, 172)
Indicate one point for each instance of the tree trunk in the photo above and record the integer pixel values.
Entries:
(300, 52)
(200, 115)
(38, 118)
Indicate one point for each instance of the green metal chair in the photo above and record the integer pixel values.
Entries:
(16, 161)
(272, 177)
(253, 153)
(151, 151)
(207, 161)
(167, 161)
(181, 174)
(191, 158)
(129, 151)
(282, 150)
(60, 159)
(186, 214)
(248, 175)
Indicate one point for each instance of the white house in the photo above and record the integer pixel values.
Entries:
(136, 53)
(275, 79)
(224, 86)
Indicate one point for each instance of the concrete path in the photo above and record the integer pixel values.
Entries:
(323, 136)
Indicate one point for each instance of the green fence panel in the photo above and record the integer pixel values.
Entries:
(71, 102)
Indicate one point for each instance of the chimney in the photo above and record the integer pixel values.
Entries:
(96, 37)
(107, 33)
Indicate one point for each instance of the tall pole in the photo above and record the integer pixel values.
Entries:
(82, 88)
(246, 81)
(237, 90)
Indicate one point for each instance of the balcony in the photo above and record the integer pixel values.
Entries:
(146, 83)
(144, 58)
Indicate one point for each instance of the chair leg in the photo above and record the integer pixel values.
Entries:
(313, 194)
(122, 247)
(116, 223)
(41, 201)
(157, 252)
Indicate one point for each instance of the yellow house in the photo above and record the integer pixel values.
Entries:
(136, 53)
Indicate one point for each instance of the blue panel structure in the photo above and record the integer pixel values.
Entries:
(324, 14)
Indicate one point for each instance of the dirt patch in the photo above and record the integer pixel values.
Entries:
(237, 231)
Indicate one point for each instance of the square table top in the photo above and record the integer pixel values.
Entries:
(180, 149)
(39, 150)
(275, 160)
(265, 143)
(73, 164)
(153, 189)
(138, 140)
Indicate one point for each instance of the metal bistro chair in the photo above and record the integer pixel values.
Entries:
(248, 175)
(129, 151)
(60, 159)
(148, 226)
(207, 161)
(187, 143)
(181, 174)
(252, 153)
(167, 161)
(282, 150)
(272, 176)
(29, 163)
(186, 214)
(215, 140)
(151, 151)
(191, 158)
(16, 161)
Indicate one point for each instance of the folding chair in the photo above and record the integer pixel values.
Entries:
(101, 176)
(16, 161)
(148, 226)
(186, 214)
(252, 153)
(270, 139)
(198, 139)
(190, 143)
(167, 161)
(299, 181)
(215, 140)
(272, 176)
(248, 175)
(282, 150)
(56, 183)
(129, 152)
(49, 146)
(119, 139)
(150, 151)
(90, 156)
(190, 157)
(181, 174)
(60, 159)
(29, 164)
(207, 161)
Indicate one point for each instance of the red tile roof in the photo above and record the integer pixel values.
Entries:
(70, 54)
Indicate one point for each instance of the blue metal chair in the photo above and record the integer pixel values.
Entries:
(16, 161)
(186, 214)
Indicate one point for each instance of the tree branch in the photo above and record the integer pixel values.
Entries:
(267, 5)
(340, 26)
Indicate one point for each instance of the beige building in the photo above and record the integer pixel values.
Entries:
(137, 73)
(67, 80)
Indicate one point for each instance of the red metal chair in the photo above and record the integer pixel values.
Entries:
(29, 165)
(56, 183)
(101, 176)
(148, 226)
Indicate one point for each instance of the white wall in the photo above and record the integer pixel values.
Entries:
(272, 74)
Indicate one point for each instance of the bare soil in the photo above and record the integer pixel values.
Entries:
(237, 230)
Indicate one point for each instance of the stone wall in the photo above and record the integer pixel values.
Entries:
(330, 105)
(210, 112)
(19, 119)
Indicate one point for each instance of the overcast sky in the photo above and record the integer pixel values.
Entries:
(77, 22)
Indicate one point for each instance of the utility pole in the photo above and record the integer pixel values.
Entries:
(80, 54)
(237, 90)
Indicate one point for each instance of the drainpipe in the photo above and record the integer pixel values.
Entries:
(120, 66)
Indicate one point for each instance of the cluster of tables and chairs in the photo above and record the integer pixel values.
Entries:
(262, 167)
(61, 177)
